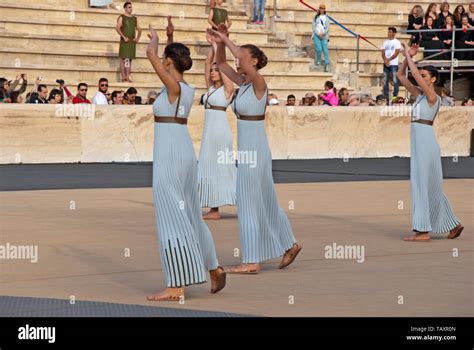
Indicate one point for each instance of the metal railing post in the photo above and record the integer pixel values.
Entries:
(452, 61)
(358, 53)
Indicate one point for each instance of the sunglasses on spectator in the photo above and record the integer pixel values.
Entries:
(83, 90)
(107, 85)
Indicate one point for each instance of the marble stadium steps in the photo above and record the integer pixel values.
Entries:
(69, 43)
(93, 30)
(276, 80)
(158, 17)
(107, 48)
(83, 59)
(187, 6)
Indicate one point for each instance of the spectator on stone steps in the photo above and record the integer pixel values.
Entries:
(81, 96)
(10, 86)
(55, 97)
(432, 11)
(218, 15)
(390, 50)
(467, 102)
(330, 96)
(151, 98)
(129, 30)
(366, 100)
(258, 12)
(459, 11)
(2, 93)
(354, 100)
(117, 97)
(446, 99)
(309, 99)
(343, 95)
(273, 100)
(381, 100)
(470, 15)
(129, 98)
(62, 87)
(320, 37)
(415, 22)
(431, 40)
(446, 36)
(16, 97)
(100, 97)
(398, 100)
(320, 101)
(291, 100)
(444, 8)
(464, 40)
(41, 97)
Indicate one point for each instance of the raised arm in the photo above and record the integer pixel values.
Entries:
(152, 53)
(208, 64)
(170, 31)
(252, 73)
(429, 92)
(221, 59)
(404, 81)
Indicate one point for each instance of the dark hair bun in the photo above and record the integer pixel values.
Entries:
(255, 52)
(180, 55)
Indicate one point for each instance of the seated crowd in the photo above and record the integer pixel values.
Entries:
(443, 21)
(62, 94)
(332, 97)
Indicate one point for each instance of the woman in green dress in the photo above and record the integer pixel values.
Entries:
(127, 26)
(218, 15)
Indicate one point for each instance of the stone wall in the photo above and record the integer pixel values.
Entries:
(43, 134)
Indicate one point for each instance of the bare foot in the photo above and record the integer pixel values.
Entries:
(418, 237)
(290, 255)
(212, 215)
(249, 269)
(169, 294)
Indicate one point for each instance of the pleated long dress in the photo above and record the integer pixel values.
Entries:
(217, 171)
(265, 231)
(186, 245)
(431, 211)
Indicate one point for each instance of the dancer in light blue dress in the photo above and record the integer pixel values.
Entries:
(265, 231)
(187, 248)
(216, 167)
(431, 211)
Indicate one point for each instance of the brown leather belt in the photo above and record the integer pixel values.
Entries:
(252, 117)
(171, 120)
(217, 108)
(422, 121)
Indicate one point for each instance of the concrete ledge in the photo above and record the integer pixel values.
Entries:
(44, 134)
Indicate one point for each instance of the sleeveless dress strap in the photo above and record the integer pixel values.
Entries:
(235, 100)
(179, 99)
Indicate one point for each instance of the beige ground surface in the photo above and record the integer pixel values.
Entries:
(83, 237)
